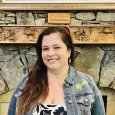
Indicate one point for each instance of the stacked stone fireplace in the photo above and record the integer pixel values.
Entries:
(16, 60)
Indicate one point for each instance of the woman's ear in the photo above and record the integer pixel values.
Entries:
(69, 53)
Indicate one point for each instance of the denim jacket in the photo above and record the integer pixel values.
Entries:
(82, 97)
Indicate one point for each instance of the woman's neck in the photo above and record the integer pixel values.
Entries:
(58, 76)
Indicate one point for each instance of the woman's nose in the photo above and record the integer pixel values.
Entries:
(51, 52)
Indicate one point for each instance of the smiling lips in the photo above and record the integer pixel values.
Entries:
(53, 60)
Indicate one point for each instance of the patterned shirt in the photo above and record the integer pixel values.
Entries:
(52, 109)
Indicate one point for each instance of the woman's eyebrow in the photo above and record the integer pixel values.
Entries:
(53, 45)
(56, 45)
(44, 46)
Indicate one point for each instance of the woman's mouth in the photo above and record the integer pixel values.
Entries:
(52, 60)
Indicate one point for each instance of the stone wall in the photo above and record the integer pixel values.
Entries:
(39, 18)
(97, 60)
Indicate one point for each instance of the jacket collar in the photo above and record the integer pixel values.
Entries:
(70, 77)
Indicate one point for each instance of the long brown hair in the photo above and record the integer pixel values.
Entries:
(36, 87)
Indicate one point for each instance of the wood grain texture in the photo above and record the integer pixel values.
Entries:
(61, 6)
(59, 18)
(80, 35)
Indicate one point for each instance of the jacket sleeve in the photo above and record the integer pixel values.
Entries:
(98, 105)
(13, 101)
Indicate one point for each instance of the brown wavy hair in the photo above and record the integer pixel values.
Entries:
(36, 87)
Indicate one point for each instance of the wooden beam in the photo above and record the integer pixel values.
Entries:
(80, 35)
(66, 6)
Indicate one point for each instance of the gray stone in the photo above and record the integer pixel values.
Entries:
(11, 24)
(25, 18)
(113, 85)
(73, 15)
(1, 51)
(109, 59)
(108, 47)
(85, 16)
(44, 15)
(31, 59)
(89, 60)
(3, 22)
(32, 53)
(75, 22)
(21, 47)
(107, 75)
(2, 86)
(40, 15)
(91, 22)
(35, 16)
(24, 62)
(78, 49)
(1, 64)
(3, 83)
(105, 23)
(24, 51)
(33, 50)
(46, 24)
(9, 19)
(13, 71)
(10, 47)
(5, 58)
(2, 15)
(11, 15)
(40, 21)
(105, 16)
(25, 47)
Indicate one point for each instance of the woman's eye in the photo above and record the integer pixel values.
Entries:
(45, 49)
(57, 48)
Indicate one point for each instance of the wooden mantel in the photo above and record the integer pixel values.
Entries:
(61, 6)
(80, 35)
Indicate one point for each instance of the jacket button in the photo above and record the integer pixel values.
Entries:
(67, 85)
(69, 96)
(69, 101)
(86, 100)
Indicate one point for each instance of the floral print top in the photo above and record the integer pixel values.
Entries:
(52, 109)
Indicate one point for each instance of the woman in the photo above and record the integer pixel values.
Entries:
(54, 87)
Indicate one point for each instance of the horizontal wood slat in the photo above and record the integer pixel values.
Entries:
(74, 6)
(80, 35)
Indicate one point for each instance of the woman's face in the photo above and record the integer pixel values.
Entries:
(54, 52)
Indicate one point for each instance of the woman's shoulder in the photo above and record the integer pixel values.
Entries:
(20, 85)
(24, 78)
(87, 79)
(84, 77)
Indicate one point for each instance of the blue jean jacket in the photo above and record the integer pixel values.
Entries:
(82, 97)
